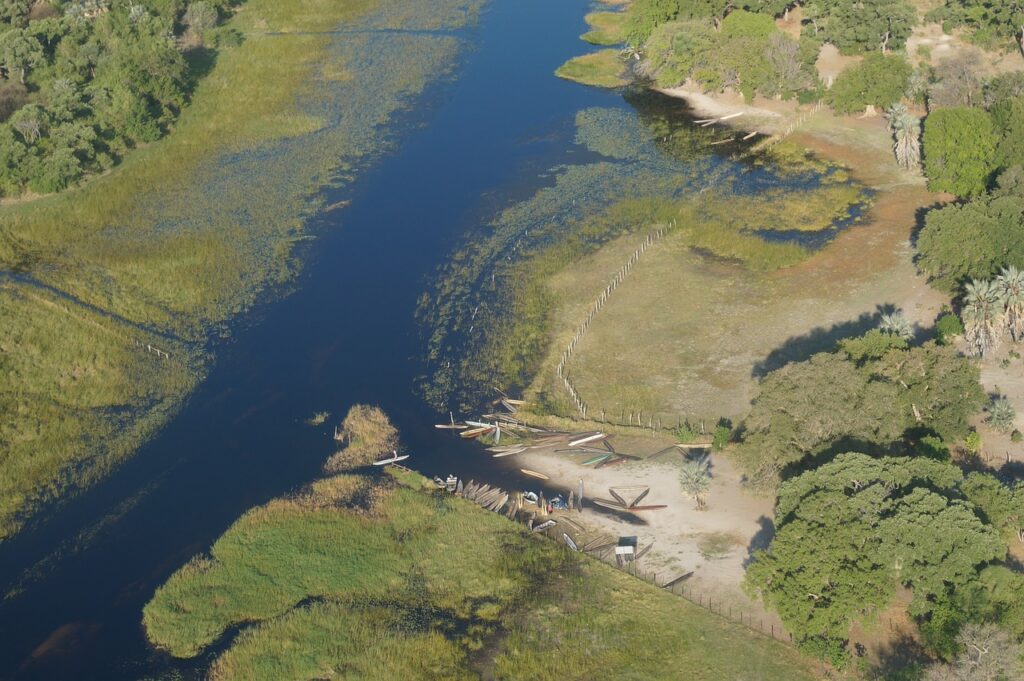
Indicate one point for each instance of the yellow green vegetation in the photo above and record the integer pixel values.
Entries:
(600, 69)
(367, 434)
(190, 231)
(606, 28)
(384, 580)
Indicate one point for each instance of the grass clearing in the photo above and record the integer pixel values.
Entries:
(423, 585)
(601, 69)
(607, 28)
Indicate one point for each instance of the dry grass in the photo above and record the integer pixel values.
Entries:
(368, 435)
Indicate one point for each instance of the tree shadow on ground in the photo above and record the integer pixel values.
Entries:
(819, 339)
(761, 539)
(896, 657)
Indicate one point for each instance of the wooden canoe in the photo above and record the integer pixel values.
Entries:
(534, 474)
(589, 438)
(608, 503)
(611, 461)
(652, 507)
(569, 542)
(476, 432)
(384, 462)
(596, 459)
(545, 525)
(451, 426)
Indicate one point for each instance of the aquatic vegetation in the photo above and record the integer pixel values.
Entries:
(607, 28)
(191, 231)
(601, 69)
(396, 587)
(489, 314)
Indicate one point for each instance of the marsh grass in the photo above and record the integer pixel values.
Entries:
(428, 586)
(607, 28)
(368, 435)
(604, 68)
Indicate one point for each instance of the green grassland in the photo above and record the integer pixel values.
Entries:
(607, 28)
(601, 69)
(383, 580)
(190, 231)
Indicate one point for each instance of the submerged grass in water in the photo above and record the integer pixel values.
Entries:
(602, 69)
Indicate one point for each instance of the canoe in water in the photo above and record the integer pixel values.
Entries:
(534, 474)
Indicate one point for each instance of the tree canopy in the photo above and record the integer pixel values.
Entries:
(879, 80)
(858, 26)
(853, 529)
(959, 150)
(96, 79)
(869, 395)
(961, 242)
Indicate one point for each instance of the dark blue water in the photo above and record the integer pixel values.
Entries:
(346, 335)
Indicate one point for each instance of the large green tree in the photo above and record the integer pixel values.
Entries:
(869, 395)
(959, 150)
(858, 26)
(973, 240)
(879, 80)
(850, 531)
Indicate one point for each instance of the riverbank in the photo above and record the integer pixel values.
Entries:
(123, 286)
(428, 585)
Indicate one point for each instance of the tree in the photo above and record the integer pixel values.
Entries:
(1001, 414)
(989, 653)
(19, 51)
(895, 324)
(959, 150)
(851, 530)
(973, 240)
(989, 18)
(880, 80)
(200, 17)
(907, 141)
(695, 480)
(1008, 121)
(857, 26)
(958, 80)
(1010, 283)
(983, 315)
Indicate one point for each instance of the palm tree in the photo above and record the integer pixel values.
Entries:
(906, 132)
(983, 315)
(895, 324)
(894, 113)
(1001, 414)
(1011, 285)
(695, 480)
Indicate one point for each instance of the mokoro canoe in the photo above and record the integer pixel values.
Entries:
(509, 452)
(652, 507)
(545, 525)
(534, 474)
(451, 426)
(611, 461)
(608, 503)
(394, 459)
(569, 542)
(597, 459)
(589, 438)
(476, 432)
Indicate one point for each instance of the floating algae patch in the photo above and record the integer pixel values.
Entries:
(191, 231)
(601, 69)
(613, 133)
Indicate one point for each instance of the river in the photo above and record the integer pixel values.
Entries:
(347, 334)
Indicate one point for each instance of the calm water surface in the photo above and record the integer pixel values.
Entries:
(346, 335)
